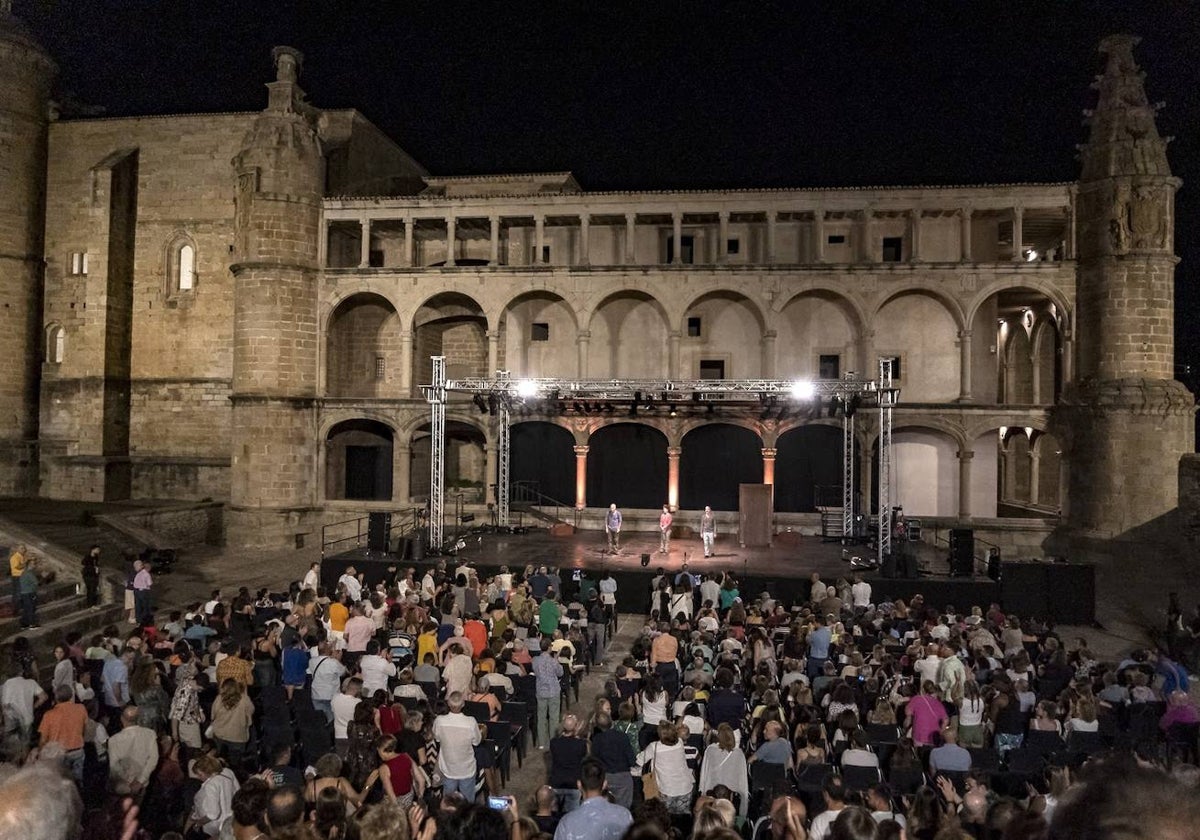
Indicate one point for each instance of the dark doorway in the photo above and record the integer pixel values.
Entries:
(627, 464)
(807, 458)
(543, 454)
(358, 461)
(368, 473)
(715, 459)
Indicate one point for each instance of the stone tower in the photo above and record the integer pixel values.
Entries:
(280, 175)
(1130, 421)
(26, 72)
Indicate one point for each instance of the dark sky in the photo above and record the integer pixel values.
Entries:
(657, 94)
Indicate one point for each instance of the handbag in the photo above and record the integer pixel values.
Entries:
(649, 783)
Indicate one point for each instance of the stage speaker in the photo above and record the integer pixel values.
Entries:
(993, 565)
(888, 570)
(962, 552)
(378, 526)
(645, 560)
(906, 557)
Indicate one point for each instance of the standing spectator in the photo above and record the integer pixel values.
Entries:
(351, 581)
(549, 613)
(114, 681)
(327, 672)
(398, 773)
(615, 752)
(213, 804)
(668, 763)
(458, 671)
(725, 764)
(567, 752)
(132, 755)
(925, 714)
(596, 818)
(185, 713)
(19, 697)
(16, 565)
(232, 713)
(143, 604)
(457, 735)
(860, 594)
(343, 712)
(312, 578)
(64, 669)
(27, 590)
(548, 673)
(64, 725)
(358, 631)
(819, 640)
(91, 576)
(376, 668)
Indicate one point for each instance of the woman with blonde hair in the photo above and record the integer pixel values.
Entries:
(329, 776)
(668, 764)
(1084, 718)
(232, 713)
(725, 764)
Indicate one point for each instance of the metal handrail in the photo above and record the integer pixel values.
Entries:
(397, 528)
(526, 492)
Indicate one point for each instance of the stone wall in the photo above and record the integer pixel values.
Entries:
(191, 525)
(1189, 498)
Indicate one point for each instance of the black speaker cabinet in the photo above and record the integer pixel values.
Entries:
(378, 527)
(962, 552)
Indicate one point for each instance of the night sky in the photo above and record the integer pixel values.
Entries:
(660, 94)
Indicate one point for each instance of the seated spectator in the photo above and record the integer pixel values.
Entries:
(774, 749)
(1180, 710)
(858, 754)
(949, 757)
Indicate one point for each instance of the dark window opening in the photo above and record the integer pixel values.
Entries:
(687, 251)
(375, 258)
(836, 239)
(539, 332)
(829, 366)
(733, 246)
(693, 326)
(712, 368)
(895, 366)
(893, 248)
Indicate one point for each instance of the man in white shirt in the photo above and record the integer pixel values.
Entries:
(326, 672)
(132, 754)
(375, 669)
(349, 579)
(19, 696)
(834, 791)
(458, 671)
(458, 735)
(860, 593)
(927, 668)
(710, 591)
(312, 578)
(343, 706)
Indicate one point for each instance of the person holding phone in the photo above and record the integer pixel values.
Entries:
(596, 818)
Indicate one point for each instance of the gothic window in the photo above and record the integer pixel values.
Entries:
(181, 266)
(56, 344)
(79, 263)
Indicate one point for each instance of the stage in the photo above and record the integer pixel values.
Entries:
(783, 569)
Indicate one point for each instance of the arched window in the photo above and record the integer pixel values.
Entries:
(56, 344)
(180, 266)
(187, 268)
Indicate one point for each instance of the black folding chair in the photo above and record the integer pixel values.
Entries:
(860, 778)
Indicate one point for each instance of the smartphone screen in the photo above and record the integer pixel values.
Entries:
(498, 803)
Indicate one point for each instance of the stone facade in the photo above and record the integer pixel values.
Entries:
(262, 293)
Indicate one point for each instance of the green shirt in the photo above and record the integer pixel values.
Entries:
(548, 615)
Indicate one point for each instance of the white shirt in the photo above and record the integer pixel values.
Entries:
(860, 593)
(653, 711)
(133, 754)
(353, 587)
(327, 675)
(311, 579)
(214, 801)
(821, 824)
(458, 735)
(17, 696)
(375, 673)
(427, 586)
(710, 590)
(928, 668)
(343, 712)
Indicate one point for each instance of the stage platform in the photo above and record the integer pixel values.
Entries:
(783, 569)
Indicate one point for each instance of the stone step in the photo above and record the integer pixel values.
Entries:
(50, 632)
(47, 612)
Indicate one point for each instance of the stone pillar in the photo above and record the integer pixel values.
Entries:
(406, 363)
(582, 339)
(818, 228)
(401, 464)
(964, 235)
(581, 453)
(494, 242)
(866, 247)
(914, 235)
(1068, 357)
(491, 471)
(451, 236)
(493, 341)
(630, 238)
(585, 221)
(677, 238)
(673, 453)
(768, 354)
(964, 482)
(772, 218)
(364, 245)
(723, 236)
(868, 364)
(1034, 463)
(673, 355)
(1018, 233)
(1072, 221)
(964, 366)
(768, 456)
(539, 239)
(410, 256)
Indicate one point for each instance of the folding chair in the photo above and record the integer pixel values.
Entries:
(860, 778)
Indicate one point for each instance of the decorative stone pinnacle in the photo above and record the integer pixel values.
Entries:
(288, 62)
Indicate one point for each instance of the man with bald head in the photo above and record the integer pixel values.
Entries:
(458, 735)
(132, 755)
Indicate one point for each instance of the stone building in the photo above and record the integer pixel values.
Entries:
(242, 307)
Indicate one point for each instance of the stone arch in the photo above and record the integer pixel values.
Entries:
(358, 460)
(995, 313)
(714, 459)
(364, 353)
(1016, 472)
(921, 326)
(180, 264)
(54, 345)
(454, 325)
(1016, 384)
(814, 322)
(951, 305)
(465, 464)
(628, 336)
(808, 456)
(627, 464)
(924, 475)
(1054, 294)
(543, 456)
(1047, 454)
(1047, 365)
(550, 349)
(732, 326)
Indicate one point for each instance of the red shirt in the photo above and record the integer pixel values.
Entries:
(476, 633)
(400, 771)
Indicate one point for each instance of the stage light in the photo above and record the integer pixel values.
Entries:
(480, 403)
(803, 390)
(526, 388)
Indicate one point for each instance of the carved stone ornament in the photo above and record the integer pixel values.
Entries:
(1148, 218)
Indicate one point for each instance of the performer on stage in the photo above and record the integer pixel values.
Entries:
(708, 530)
(664, 530)
(612, 528)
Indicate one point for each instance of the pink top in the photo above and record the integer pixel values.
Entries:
(358, 632)
(664, 521)
(142, 579)
(928, 715)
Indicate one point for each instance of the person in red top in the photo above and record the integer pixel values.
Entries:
(475, 632)
(664, 530)
(399, 776)
(64, 725)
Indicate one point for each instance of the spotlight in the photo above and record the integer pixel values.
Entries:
(526, 388)
(579, 409)
(480, 403)
(802, 389)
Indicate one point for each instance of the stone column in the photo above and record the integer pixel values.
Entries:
(491, 472)
(768, 354)
(1072, 220)
(585, 221)
(964, 235)
(364, 244)
(582, 339)
(866, 248)
(723, 236)
(772, 218)
(964, 366)
(677, 238)
(494, 242)
(768, 456)
(401, 464)
(409, 242)
(581, 453)
(868, 365)
(406, 363)
(493, 340)
(914, 235)
(451, 235)
(964, 482)
(818, 229)
(1018, 233)
(673, 453)
(630, 238)
(1034, 462)
(1068, 357)
(673, 355)
(539, 240)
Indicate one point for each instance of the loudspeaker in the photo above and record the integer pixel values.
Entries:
(907, 556)
(994, 565)
(962, 552)
(888, 570)
(378, 527)
(645, 560)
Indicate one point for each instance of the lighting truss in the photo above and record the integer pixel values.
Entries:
(508, 392)
(887, 400)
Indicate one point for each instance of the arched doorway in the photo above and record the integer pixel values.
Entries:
(627, 464)
(465, 465)
(1017, 348)
(451, 325)
(358, 461)
(924, 472)
(714, 460)
(806, 458)
(363, 348)
(543, 454)
(919, 328)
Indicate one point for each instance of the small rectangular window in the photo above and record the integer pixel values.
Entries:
(539, 332)
(712, 368)
(895, 366)
(79, 263)
(836, 239)
(733, 246)
(693, 326)
(829, 366)
(375, 259)
(687, 251)
(545, 254)
(380, 368)
(893, 248)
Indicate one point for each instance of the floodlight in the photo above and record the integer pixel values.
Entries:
(527, 388)
(803, 390)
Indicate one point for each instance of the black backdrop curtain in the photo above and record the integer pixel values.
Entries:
(627, 464)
